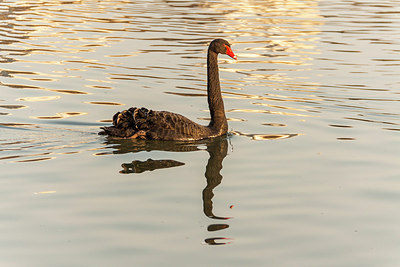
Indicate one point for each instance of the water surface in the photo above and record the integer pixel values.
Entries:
(308, 175)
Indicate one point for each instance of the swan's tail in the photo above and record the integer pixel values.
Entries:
(129, 123)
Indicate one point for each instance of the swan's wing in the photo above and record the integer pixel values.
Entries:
(164, 125)
(160, 125)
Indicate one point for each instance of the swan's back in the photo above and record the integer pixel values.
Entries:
(156, 125)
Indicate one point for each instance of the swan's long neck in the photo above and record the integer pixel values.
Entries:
(218, 120)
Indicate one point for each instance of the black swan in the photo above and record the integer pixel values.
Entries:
(143, 123)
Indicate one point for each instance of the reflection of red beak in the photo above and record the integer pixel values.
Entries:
(230, 53)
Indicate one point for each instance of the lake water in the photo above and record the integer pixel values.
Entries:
(308, 176)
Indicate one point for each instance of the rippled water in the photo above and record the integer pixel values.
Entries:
(308, 175)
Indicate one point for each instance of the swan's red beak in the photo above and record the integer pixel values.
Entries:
(230, 53)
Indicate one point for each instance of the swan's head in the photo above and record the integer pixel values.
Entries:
(222, 46)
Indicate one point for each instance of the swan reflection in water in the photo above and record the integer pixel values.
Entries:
(138, 166)
(217, 149)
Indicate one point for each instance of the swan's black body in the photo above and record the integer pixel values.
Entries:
(163, 125)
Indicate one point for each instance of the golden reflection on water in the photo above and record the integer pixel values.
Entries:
(259, 137)
(37, 159)
(268, 112)
(38, 98)
(61, 115)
